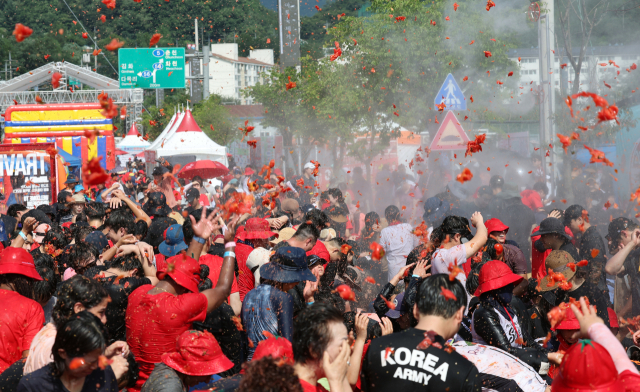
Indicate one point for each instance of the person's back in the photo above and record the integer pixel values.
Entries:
(154, 321)
(263, 309)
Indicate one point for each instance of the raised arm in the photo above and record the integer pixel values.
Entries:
(615, 264)
(472, 247)
(137, 211)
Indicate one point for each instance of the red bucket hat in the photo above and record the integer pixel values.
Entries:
(570, 321)
(276, 347)
(248, 171)
(494, 275)
(587, 366)
(197, 354)
(18, 261)
(185, 271)
(257, 228)
(495, 224)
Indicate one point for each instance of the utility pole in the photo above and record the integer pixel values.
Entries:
(95, 58)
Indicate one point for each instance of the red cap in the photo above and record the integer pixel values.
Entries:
(275, 347)
(257, 228)
(494, 275)
(277, 171)
(613, 318)
(320, 250)
(495, 224)
(248, 171)
(531, 199)
(18, 261)
(587, 366)
(184, 270)
(570, 321)
(197, 354)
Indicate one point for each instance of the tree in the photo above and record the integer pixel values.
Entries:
(213, 118)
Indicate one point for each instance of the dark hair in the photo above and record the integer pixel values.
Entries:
(14, 209)
(22, 285)
(45, 288)
(80, 232)
(81, 217)
(205, 282)
(311, 331)
(473, 279)
(78, 336)
(140, 228)
(268, 375)
(318, 218)
(392, 213)
(56, 238)
(128, 263)
(337, 194)
(306, 231)
(541, 186)
(430, 300)
(187, 230)
(95, 210)
(120, 219)
(77, 289)
(79, 253)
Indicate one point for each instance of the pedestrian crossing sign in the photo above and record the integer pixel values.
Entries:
(451, 94)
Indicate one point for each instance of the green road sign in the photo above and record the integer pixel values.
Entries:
(74, 82)
(151, 68)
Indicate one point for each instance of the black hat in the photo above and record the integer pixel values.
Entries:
(157, 205)
(496, 182)
(40, 216)
(71, 179)
(98, 240)
(551, 226)
(288, 265)
(307, 207)
(617, 226)
(312, 260)
(155, 234)
(571, 213)
(159, 171)
(192, 194)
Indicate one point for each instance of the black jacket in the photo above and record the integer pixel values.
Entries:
(487, 325)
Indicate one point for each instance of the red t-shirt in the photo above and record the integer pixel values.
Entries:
(215, 267)
(20, 320)
(306, 387)
(154, 322)
(246, 280)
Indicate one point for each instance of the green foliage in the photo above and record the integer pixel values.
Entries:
(212, 114)
(131, 22)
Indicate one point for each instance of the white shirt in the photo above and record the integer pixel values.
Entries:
(398, 241)
(442, 258)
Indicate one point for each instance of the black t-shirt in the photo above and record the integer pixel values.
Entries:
(394, 363)
(220, 324)
(117, 308)
(44, 380)
(592, 240)
(631, 269)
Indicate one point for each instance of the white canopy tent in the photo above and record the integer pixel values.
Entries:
(133, 143)
(189, 140)
(176, 119)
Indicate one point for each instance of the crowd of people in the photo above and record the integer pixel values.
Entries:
(257, 282)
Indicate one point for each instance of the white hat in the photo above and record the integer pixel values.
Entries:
(257, 258)
(309, 165)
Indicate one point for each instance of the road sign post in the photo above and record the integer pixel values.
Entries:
(451, 94)
(450, 135)
(152, 68)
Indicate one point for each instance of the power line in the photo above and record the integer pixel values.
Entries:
(89, 35)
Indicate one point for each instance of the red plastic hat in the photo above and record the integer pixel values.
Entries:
(570, 321)
(613, 318)
(494, 275)
(258, 228)
(495, 224)
(276, 347)
(531, 199)
(277, 171)
(184, 270)
(197, 354)
(248, 171)
(587, 366)
(18, 261)
(240, 233)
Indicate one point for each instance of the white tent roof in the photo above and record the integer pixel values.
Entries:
(133, 142)
(188, 139)
(168, 130)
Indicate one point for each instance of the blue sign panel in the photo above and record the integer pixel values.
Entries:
(451, 94)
